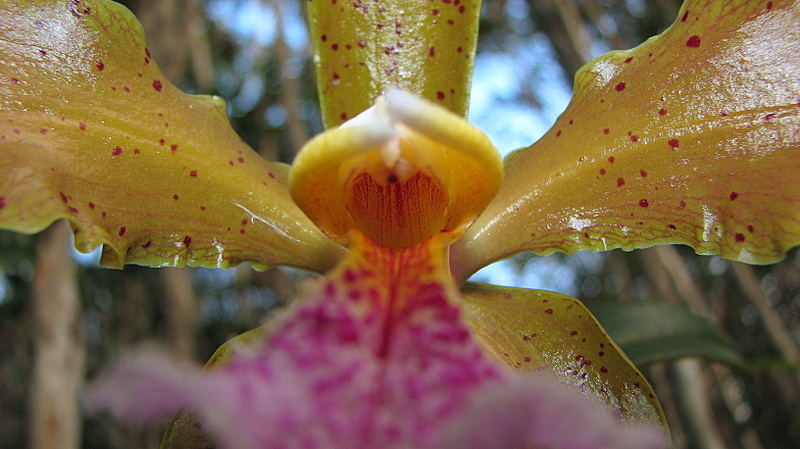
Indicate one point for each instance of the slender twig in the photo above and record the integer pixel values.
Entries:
(773, 323)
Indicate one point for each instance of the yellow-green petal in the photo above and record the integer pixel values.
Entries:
(363, 47)
(690, 138)
(91, 131)
(531, 330)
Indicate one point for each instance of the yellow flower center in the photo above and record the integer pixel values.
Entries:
(400, 172)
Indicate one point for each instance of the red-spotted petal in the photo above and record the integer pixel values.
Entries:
(535, 330)
(91, 131)
(690, 138)
(362, 48)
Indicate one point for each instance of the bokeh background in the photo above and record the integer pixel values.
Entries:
(719, 341)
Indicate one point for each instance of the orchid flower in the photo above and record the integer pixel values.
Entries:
(690, 138)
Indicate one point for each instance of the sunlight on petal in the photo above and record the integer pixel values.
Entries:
(689, 138)
(361, 49)
(91, 131)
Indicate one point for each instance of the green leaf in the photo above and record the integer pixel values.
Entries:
(657, 331)
(363, 47)
(91, 131)
(533, 329)
(690, 138)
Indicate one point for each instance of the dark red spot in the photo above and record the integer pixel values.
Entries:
(606, 131)
(175, 197)
(450, 22)
(673, 143)
(603, 369)
(440, 95)
(693, 41)
(558, 133)
(91, 205)
(362, 44)
(64, 197)
(459, 49)
(2, 202)
(685, 16)
(548, 311)
(157, 85)
(187, 241)
(620, 182)
(672, 226)
(122, 231)
(574, 333)
(602, 171)
(334, 47)
(629, 59)
(739, 238)
(682, 203)
(620, 87)
(202, 208)
(173, 147)
(634, 138)
(193, 173)
(644, 203)
(342, 116)
(324, 38)
(431, 52)
(43, 131)
(82, 126)
(769, 117)
(642, 173)
(662, 111)
(769, 6)
(461, 9)
(611, 159)
(733, 196)
(147, 245)
(136, 151)
(435, 12)
(231, 163)
(100, 66)
(750, 228)
(116, 151)
(240, 159)
(526, 338)
(15, 80)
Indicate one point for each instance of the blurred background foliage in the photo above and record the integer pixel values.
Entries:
(719, 340)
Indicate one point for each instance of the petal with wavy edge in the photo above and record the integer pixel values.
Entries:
(362, 48)
(90, 131)
(377, 356)
(690, 138)
(534, 330)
